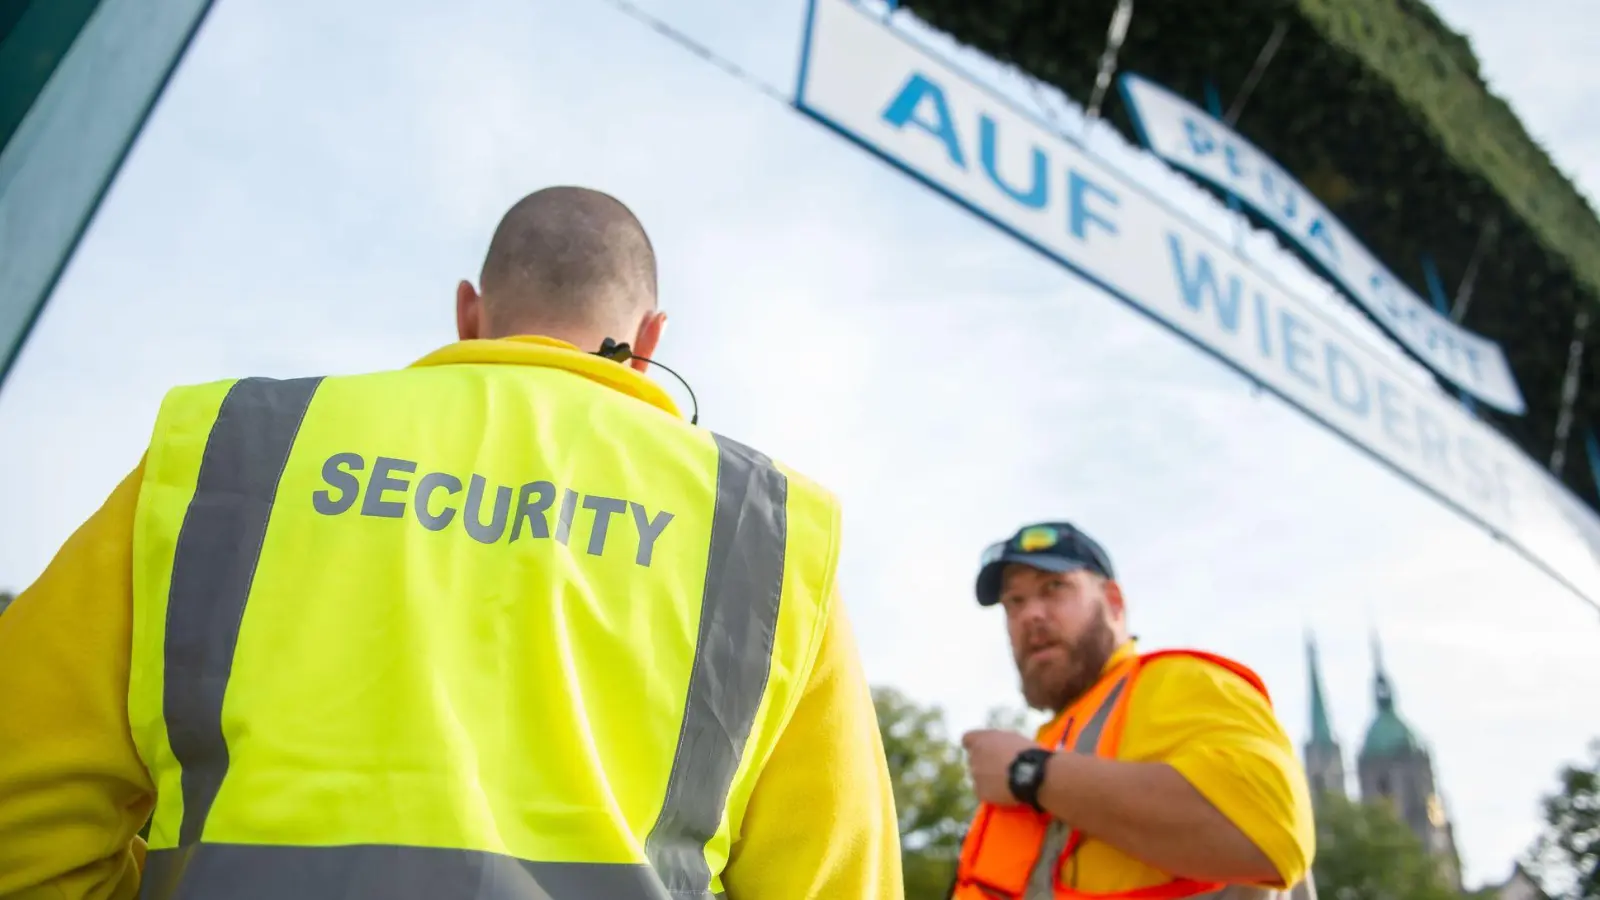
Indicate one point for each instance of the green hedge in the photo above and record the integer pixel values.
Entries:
(1380, 110)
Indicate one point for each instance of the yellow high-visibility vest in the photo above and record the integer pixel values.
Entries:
(462, 631)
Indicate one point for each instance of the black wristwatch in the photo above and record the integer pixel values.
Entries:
(1026, 775)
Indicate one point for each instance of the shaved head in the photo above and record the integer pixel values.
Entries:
(567, 259)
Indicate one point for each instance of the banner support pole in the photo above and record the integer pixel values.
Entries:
(1569, 392)
(1430, 274)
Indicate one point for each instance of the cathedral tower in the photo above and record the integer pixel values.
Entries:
(1324, 760)
(1396, 769)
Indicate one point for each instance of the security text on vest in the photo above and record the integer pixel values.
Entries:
(391, 490)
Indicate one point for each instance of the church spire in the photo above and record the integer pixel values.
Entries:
(1389, 734)
(1321, 726)
(1382, 689)
(1324, 761)
(1395, 767)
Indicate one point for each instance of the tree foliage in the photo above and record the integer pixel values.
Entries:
(1364, 852)
(1566, 857)
(5, 600)
(930, 791)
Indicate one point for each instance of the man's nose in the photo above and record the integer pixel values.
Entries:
(1031, 609)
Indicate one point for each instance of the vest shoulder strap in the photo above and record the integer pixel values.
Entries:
(1234, 666)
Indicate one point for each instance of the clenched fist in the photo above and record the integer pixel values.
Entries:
(989, 757)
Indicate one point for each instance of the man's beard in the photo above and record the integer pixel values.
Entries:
(1054, 683)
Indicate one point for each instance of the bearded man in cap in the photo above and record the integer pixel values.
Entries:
(1161, 776)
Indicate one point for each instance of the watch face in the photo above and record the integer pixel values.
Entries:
(1026, 770)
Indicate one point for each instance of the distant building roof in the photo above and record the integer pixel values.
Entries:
(1520, 886)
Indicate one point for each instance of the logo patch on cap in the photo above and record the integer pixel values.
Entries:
(1036, 538)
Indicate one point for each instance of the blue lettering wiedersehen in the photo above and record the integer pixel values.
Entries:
(1319, 360)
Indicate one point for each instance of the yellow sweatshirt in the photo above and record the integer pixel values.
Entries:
(74, 794)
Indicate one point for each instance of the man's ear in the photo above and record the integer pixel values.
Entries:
(469, 312)
(1115, 601)
(648, 338)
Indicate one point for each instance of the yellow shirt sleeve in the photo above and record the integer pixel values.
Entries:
(75, 793)
(1221, 734)
(821, 818)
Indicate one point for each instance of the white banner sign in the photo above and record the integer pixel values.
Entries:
(1187, 137)
(893, 97)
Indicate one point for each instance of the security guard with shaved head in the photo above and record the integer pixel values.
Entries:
(500, 625)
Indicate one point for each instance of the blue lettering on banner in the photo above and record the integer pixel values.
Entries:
(1039, 185)
(1200, 140)
(1279, 192)
(1186, 137)
(1320, 234)
(881, 90)
(1280, 334)
(1346, 384)
(1289, 339)
(1202, 282)
(1230, 155)
(1263, 329)
(921, 103)
(1296, 353)
(906, 104)
(1079, 191)
(1317, 359)
(1277, 188)
(1388, 405)
(1432, 441)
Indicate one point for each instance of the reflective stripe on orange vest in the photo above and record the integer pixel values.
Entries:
(1004, 844)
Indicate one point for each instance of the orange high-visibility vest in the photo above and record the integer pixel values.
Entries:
(1003, 845)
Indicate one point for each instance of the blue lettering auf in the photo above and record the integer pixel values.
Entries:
(1079, 215)
(1039, 189)
(904, 108)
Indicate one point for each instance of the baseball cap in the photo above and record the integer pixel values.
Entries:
(1051, 546)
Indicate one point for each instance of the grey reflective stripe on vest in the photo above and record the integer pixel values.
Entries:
(732, 658)
(212, 567)
(214, 563)
(1304, 890)
(1041, 880)
(262, 872)
(1088, 740)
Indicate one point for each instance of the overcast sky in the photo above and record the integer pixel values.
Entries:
(319, 175)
